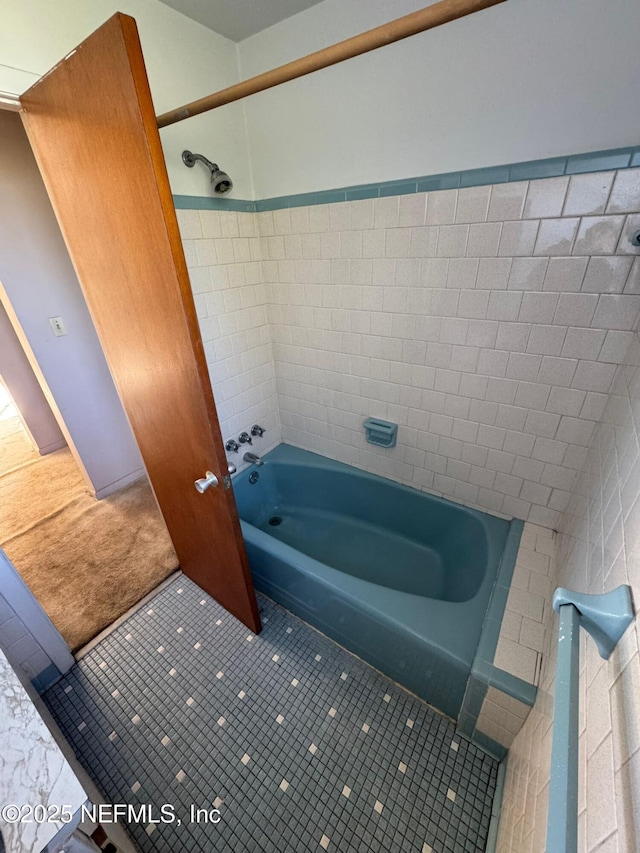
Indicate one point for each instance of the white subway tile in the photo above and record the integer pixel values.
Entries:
(452, 241)
(465, 358)
(413, 210)
(548, 450)
(527, 273)
(475, 455)
(545, 198)
(516, 659)
(532, 395)
(351, 244)
(433, 272)
(556, 236)
(537, 494)
(482, 477)
(592, 376)
(504, 305)
(523, 366)
(510, 417)
(397, 243)
(501, 390)
(513, 337)
(546, 340)
(588, 193)
(543, 424)
(386, 212)
(473, 204)
(565, 274)
(575, 431)
(518, 238)
(598, 235)
(583, 343)
(508, 485)
(457, 407)
(473, 386)
(557, 371)
(566, 401)
(521, 444)
(507, 201)
(601, 813)
(626, 192)
(528, 469)
(373, 243)
(616, 311)
(491, 436)
(473, 304)
(300, 222)
(493, 273)
(423, 242)
(453, 330)
(484, 239)
(538, 307)
(207, 252)
(464, 430)
(281, 222)
(576, 309)
(482, 333)
(607, 274)
(483, 412)
(441, 207)
(493, 362)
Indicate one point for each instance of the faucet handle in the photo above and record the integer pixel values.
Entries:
(245, 438)
(257, 430)
(232, 446)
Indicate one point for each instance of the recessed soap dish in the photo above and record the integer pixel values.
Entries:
(381, 433)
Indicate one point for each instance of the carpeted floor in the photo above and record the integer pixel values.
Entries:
(86, 561)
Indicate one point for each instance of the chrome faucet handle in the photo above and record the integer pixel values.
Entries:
(232, 446)
(257, 430)
(245, 438)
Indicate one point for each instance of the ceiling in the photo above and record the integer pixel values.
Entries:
(239, 19)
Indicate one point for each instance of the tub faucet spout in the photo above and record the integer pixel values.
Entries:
(254, 458)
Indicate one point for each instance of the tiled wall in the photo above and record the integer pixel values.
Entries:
(598, 548)
(487, 321)
(223, 255)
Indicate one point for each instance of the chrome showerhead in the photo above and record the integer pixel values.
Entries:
(221, 183)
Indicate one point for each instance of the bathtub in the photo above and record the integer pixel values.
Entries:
(401, 578)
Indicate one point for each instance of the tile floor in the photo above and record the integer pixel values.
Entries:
(298, 744)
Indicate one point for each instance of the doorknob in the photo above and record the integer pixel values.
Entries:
(203, 483)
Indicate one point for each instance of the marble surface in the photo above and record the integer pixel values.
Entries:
(33, 770)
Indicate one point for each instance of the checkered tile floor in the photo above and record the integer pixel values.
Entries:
(298, 744)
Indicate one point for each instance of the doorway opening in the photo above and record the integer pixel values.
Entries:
(63, 437)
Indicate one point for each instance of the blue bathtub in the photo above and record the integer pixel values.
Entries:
(399, 577)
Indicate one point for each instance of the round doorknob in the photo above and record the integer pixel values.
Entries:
(205, 482)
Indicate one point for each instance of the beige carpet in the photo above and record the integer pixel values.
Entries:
(15, 448)
(86, 561)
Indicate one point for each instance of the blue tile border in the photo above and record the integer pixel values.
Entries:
(551, 167)
(47, 678)
(198, 202)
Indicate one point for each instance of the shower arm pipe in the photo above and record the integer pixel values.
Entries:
(401, 28)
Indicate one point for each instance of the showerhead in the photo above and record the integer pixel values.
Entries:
(221, 183)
